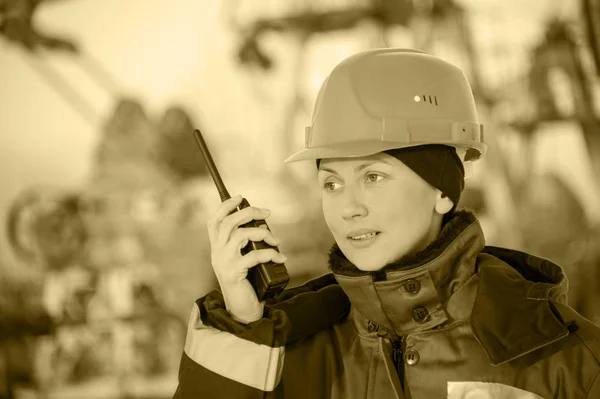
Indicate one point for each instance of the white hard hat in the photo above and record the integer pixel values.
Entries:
(384, 99)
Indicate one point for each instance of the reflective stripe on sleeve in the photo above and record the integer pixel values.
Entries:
(255, 365)
(486, 390)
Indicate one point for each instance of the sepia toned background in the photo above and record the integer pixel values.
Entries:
(104, 198)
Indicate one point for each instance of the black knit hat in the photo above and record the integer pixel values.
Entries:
(439, 165)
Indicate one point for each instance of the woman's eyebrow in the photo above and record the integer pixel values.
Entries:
(358, 168)
(364, 165)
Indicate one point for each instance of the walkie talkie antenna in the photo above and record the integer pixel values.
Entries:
(212, 168)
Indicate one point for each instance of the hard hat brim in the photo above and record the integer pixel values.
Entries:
(361, 148)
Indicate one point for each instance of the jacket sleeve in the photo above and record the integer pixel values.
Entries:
(223, 358)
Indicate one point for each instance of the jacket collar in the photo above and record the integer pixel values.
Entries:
(410, 295)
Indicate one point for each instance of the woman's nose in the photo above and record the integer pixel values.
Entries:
(353, 204)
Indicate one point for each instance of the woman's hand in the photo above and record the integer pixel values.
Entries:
(231, 268)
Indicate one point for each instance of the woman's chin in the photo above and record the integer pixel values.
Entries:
(367, 262)
(370, 260)
(366, 256)
(370, 268)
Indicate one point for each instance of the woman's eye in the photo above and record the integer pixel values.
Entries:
(373, 177)
(331, 186)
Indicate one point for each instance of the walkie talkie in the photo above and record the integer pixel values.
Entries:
(268, 279)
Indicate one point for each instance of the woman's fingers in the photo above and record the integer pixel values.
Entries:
(235, 220)
(237, 270)
(240, 237)
(255, 257)
(215, 220)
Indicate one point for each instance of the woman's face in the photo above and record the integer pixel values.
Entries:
(377, 208)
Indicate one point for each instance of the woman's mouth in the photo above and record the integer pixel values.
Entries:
(364, 236)
(363, 239)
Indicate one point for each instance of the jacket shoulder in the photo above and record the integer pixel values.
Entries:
(587, 331)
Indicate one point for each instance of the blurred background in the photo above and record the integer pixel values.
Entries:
(104, 197)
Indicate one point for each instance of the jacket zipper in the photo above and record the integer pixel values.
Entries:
(398, 359)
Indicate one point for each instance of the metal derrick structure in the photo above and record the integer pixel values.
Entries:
(144, 153)
(17, 26)
(129, 132)
(560, 51)
(591, 16)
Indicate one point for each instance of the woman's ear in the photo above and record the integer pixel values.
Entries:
(443, 204)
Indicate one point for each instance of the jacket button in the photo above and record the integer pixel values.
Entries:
(420, 314)
(372, 327)
(412, 286)
(412, 357)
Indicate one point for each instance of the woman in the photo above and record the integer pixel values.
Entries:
(416, 306)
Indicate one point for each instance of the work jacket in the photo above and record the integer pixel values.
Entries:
(456, 320)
